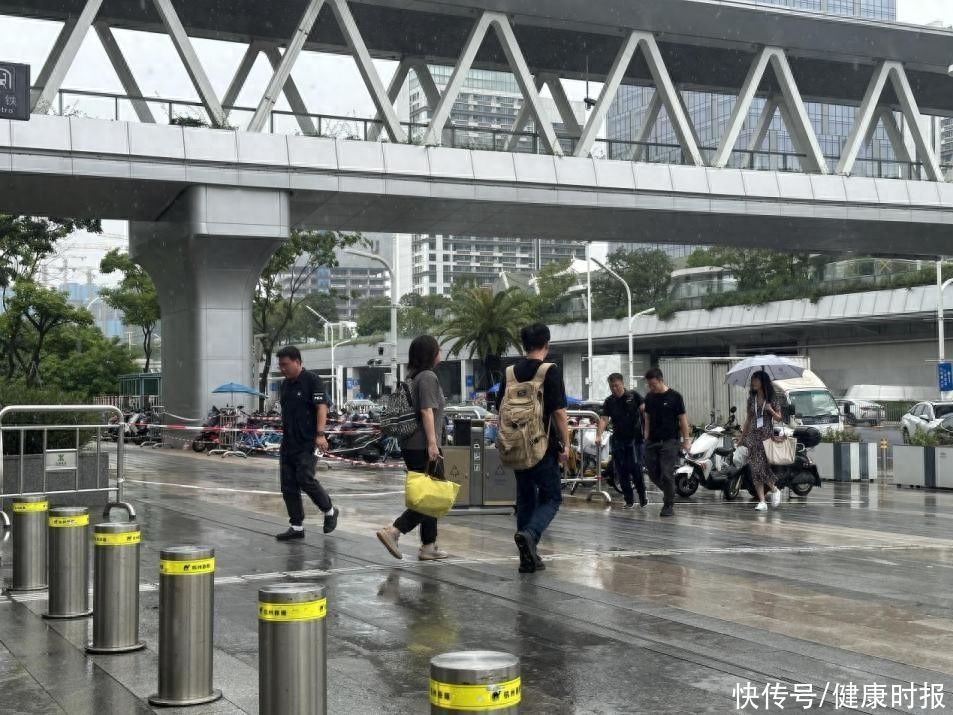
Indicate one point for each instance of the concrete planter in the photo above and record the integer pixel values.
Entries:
(59, 480)
(847, 461)
(917, 466)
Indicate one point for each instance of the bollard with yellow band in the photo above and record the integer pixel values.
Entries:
(29, 543)
(116, 588)
(186, 607)
(292, 656)
(68, 534)
(475, 681)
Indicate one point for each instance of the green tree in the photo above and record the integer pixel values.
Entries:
(304, 324)
(283, 285)
(373, 317)
(755, 268)
(42, 310)
(552, 283)
(486, 325)
(80, 359)
(25, 243)
(135, 296)
(648, 273)
(422, 314)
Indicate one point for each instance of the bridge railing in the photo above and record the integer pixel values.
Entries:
(120, 107)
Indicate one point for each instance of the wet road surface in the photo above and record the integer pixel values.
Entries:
(634, 614)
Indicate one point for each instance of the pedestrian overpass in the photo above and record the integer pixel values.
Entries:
(209, 205)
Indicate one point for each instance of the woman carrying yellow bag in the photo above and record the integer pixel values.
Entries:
(421, 451)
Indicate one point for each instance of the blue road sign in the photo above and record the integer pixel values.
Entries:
(14, 91)
(469, 380)
(945, 374)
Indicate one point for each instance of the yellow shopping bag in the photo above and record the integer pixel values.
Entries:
(433, 497)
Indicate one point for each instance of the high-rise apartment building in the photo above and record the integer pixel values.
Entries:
(482, 116)
(710, 114)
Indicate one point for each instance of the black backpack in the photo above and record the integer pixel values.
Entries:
(399, 416)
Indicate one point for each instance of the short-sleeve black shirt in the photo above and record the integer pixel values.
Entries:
(663, 411)
(625, 416)
(554, 394)
(299, 417)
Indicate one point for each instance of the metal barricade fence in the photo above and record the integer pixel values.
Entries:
(58, 461)
(578, 437)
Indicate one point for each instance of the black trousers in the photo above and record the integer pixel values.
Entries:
(627, 462)
(661, 459)
(297, 475)
(416, 461)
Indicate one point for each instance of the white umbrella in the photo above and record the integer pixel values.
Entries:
(778, 368)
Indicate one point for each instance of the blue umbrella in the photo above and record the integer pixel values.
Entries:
(573, 401)
(233, 388)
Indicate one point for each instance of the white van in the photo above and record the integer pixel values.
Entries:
(806, 401)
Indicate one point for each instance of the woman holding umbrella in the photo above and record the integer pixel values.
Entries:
(763, 410)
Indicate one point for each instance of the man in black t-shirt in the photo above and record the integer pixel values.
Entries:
(538, 489)
(665, 420)
(304, 413)
(623, 408)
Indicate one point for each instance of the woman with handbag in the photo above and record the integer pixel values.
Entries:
(763, 410)
(421, 451)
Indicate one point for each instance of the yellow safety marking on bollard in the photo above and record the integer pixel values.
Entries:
(124, 539)
(476, 698)
(286, 612)
(26, 506)
(186, 568)
(66, 522)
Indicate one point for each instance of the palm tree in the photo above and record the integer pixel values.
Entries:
(486, 325)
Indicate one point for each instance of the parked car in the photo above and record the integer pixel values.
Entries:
(925, 417)
(857, 412)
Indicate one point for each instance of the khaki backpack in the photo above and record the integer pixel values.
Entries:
(523, 439)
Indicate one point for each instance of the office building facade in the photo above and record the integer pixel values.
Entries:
(710, 114)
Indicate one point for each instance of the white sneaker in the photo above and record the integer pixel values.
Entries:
(761, 506)
(389, 539)
(776, 498)
(430, 552)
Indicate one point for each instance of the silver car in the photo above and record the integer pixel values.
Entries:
(925, 417)
(857, 412)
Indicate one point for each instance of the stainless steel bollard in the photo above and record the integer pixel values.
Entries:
(475, 681)
(186, 606)
(292, 649)
(68, 564)
(29, 543)
(116, 588)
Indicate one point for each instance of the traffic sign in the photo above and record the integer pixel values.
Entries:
(945, 375)
(469, 380)
(14, 91)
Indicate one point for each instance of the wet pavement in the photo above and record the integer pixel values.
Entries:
(845, 596)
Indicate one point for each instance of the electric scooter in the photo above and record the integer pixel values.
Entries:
(709, 459)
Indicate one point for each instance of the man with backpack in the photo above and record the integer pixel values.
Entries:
(623, 408)
(533, 440)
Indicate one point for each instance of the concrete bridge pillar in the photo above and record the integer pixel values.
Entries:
(205, 254)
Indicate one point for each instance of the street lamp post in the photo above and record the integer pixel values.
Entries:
(335, 382)
(589, 317)
(941, 286)
(394, 298)
(628, 296)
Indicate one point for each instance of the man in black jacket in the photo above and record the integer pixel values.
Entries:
(304, 413)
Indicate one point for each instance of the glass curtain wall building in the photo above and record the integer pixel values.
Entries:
(710, 114)
(482, 117)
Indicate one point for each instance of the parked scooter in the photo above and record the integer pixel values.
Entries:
(209, 438)
(708, 462)
(800, 477)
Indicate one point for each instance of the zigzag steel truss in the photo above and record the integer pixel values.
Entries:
(787, 101)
